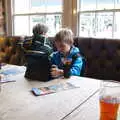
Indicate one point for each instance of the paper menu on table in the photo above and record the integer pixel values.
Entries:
(52, 89)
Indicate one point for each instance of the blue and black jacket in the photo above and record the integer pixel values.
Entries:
(74, 54)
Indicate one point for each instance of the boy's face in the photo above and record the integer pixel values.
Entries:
(63, 47)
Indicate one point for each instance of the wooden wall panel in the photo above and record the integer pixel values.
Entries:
(2, 17)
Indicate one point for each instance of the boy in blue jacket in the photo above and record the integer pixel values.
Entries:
(66, 51)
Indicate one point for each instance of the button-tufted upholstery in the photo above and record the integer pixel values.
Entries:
(103, 57)
(10, 51)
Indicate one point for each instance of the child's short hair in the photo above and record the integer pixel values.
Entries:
(40, 28)
(65, 35)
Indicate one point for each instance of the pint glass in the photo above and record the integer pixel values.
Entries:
(109, 100)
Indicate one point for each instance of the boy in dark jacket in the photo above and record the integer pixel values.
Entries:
(38, 56)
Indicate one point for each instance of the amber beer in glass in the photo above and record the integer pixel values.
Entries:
(109, 100)
(66, 69)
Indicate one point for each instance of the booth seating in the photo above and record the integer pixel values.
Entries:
(102, 55)
(10, 50)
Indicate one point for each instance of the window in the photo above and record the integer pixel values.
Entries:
(27, 13)
(99, 18)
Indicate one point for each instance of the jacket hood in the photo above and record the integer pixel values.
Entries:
(74, 50)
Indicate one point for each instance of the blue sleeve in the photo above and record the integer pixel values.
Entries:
(53, 59)
(76, 67)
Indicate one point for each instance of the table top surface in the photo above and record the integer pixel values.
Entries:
(18, 103)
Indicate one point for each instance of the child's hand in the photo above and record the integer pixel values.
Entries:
(56, 72)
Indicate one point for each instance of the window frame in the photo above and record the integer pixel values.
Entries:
(13, 15)
(80, 12)
(68, 19)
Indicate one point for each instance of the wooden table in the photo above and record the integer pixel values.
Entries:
(18, 103)
(90, 110)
